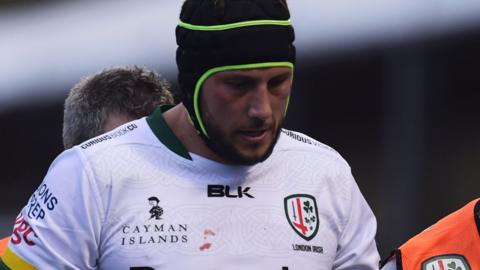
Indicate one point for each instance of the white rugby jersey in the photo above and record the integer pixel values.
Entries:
(134, 198)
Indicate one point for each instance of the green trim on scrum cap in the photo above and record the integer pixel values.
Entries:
(210, 72)
(221, 27)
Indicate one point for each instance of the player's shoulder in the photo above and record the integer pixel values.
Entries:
(134, 132)
(295, 141)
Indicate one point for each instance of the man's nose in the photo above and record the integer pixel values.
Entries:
(259, 103)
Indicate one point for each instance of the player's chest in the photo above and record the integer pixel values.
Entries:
(217, 226)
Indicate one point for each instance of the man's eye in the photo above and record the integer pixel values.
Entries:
(278, 81)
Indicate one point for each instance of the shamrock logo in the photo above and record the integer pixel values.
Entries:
(309, 217)
(453, 266)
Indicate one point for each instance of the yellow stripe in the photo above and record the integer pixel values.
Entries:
(14, 262)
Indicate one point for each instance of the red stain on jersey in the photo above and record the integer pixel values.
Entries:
(209, 232)
(205, 246)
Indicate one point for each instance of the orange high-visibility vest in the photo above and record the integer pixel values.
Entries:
(3, 244)
(453, 243)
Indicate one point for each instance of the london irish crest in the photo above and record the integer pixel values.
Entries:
(446, 262)
(302, 215)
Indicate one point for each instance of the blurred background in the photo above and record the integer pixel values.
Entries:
(392, 85)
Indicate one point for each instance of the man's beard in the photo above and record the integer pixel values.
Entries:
(218, 143)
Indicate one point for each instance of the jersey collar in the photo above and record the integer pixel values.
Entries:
(164, 134)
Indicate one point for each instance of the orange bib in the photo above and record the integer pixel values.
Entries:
(453, 243)
(3, 245)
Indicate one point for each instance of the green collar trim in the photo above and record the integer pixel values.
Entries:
(164, 133)
(210, 72)
(222, 27)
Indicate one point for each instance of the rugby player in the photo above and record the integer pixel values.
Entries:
(214, 182)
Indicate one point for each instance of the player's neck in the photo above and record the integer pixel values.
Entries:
(177, 120)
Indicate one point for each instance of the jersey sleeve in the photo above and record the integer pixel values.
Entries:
(357, 247)
(59, 228)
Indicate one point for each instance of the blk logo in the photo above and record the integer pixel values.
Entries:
(225, 191)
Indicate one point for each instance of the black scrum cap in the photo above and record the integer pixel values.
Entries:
(219, 35)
